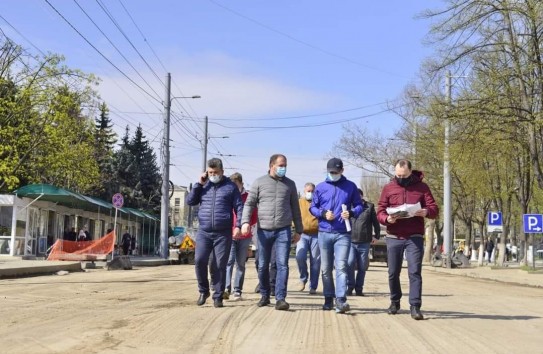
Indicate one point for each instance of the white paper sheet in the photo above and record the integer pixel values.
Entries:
(405, 210)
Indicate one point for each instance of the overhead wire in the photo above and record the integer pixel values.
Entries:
(116, 48)
(108, 13)
(101, 54)
(299, 41)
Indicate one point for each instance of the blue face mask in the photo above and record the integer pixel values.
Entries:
(333, 178)
(280, 171)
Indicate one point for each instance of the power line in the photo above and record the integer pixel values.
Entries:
(144, 39)
(106, 11)
(20, 34)
(99, 52)
(114, 46)
(311, 125)
(314, 47)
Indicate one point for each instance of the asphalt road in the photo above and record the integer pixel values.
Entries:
(152, 310)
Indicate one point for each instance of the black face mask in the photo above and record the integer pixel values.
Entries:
(404, 182)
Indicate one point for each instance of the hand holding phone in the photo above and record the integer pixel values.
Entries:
(203, 178)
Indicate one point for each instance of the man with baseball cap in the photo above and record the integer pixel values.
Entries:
(334, 234)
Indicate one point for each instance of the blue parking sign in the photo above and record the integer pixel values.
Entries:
(533, 223)
(494, 221)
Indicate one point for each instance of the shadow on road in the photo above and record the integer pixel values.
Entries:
(447, 315)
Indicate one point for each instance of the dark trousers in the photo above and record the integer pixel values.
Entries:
(413, 248)
(218, 244)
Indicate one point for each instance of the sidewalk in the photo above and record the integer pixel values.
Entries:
(16, 267)
(509, 275)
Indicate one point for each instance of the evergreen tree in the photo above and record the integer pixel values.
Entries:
(148, 185)
(104, 142)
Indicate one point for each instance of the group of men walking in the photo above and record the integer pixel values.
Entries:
(331, 222)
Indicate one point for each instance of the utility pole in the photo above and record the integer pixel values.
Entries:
(165, 202)
(204, 168)
(447, 210)
(206, 139)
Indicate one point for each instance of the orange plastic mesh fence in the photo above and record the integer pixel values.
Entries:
(82, 250)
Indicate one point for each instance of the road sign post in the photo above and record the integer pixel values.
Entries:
(118, 201)
(494, 221)
(533, 224)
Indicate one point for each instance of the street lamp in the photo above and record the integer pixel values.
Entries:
(165, 201)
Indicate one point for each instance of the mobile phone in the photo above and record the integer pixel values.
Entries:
(207, 175)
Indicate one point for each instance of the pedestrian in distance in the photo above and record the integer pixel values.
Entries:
(365, 230)
(405, 233)
(334, 202)
(309, 243)
(125, 242)
(239, 248)
(276, 198)
(218, 198)
(489, 249)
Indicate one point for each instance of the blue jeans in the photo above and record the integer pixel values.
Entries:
(218, 244)
(334, 249)
(281, 238)
(309, 244)
(273, 267)
(238, 255)
(359, 257)
(413, 252)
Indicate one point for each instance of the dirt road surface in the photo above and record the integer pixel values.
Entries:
(152, 310)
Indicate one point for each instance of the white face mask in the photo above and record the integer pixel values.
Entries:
(214, 179)
(308, 195)
(333, 177)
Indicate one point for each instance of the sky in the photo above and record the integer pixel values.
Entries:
(273, 76)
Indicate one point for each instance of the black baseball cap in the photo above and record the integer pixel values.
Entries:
(334, 165)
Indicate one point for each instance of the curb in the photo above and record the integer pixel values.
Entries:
(17, 272)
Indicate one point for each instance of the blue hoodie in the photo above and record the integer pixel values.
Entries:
(330, 195)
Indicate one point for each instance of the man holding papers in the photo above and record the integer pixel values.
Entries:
(402, 207)
(334, 234)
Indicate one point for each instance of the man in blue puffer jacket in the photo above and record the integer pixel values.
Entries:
(218, 198)
(334, 238)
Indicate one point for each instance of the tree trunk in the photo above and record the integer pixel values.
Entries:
(428, 240)
(481, 245)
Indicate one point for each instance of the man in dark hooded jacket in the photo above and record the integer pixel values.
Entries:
(405, 233)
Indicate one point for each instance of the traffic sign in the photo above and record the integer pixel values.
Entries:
(117, 200)
(533, 223)
(494, 221)
(187, 243)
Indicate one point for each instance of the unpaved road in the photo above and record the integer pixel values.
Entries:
(152, 310)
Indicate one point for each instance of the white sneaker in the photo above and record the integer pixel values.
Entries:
(237, 297)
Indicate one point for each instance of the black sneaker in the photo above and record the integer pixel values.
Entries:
(257, 289)
(218, 303)
(202, 299)
(226, 295)
(328, 304)
(282, 305)
(272, 293)
(359, 293)
(394, 307)
(416, 314)
(350, 291)
(264, 301)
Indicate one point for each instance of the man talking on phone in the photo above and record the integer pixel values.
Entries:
(218, 197)
(405, 233)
